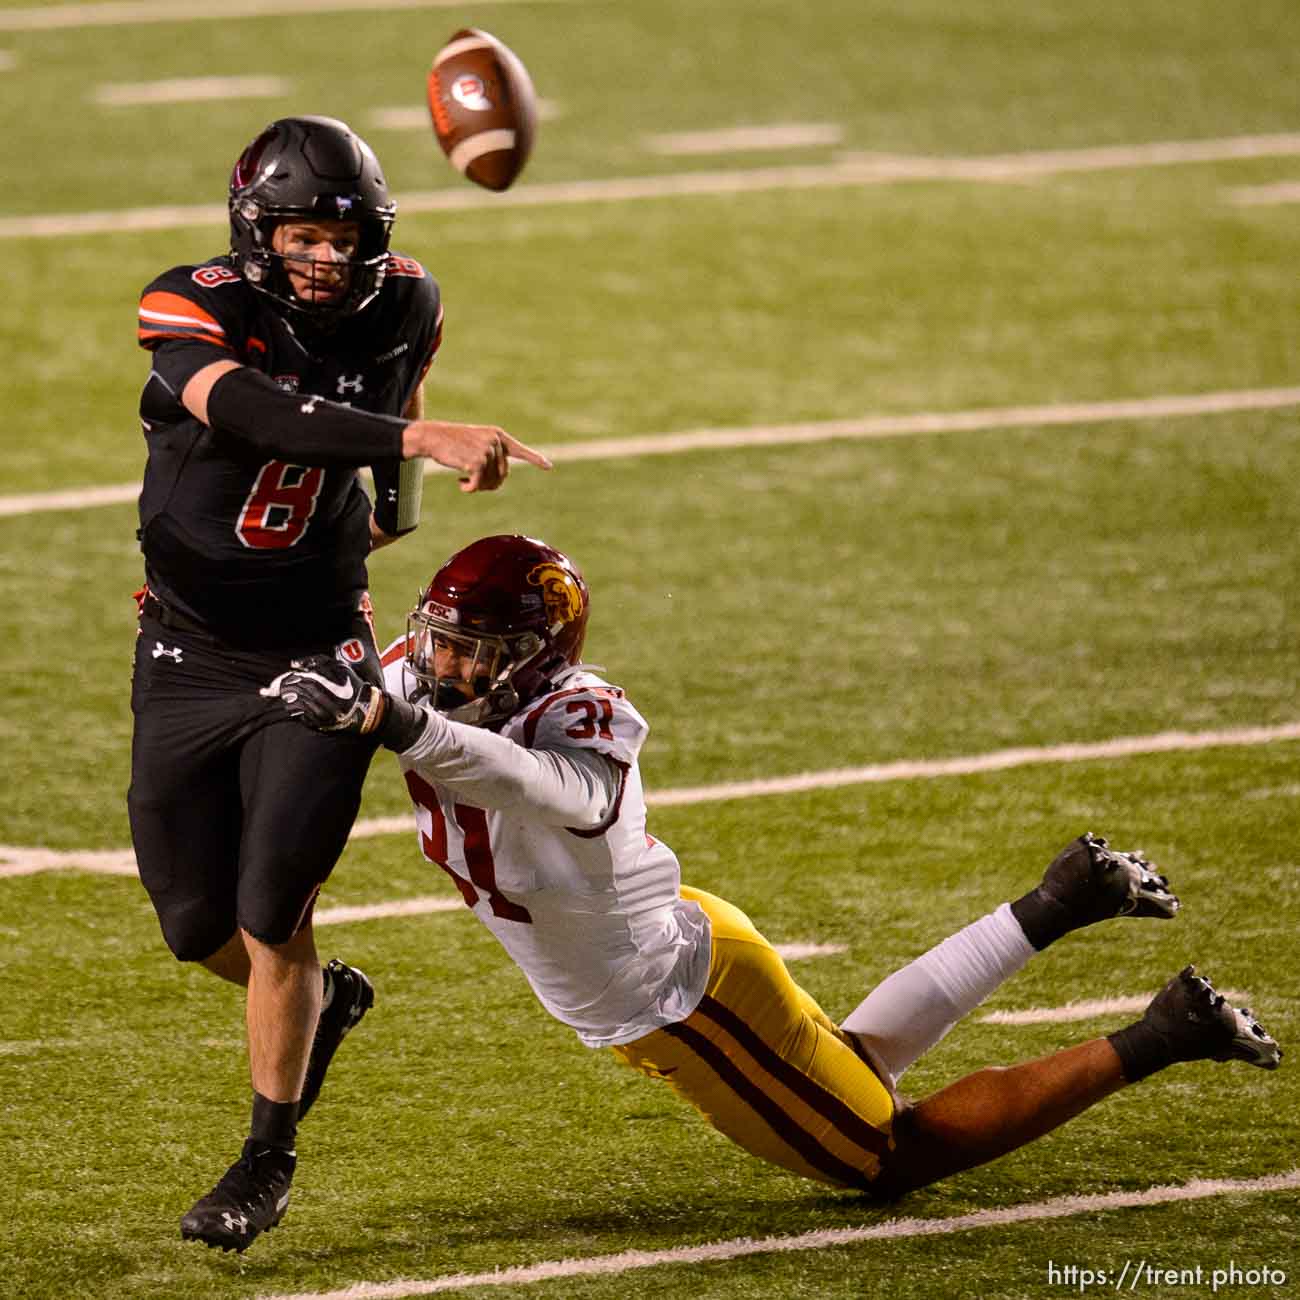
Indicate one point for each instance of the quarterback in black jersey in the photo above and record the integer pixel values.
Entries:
(278, 371)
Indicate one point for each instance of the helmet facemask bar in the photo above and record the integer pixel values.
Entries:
(475, 686)
(267, 269)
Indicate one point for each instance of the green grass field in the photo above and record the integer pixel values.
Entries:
(773, 610)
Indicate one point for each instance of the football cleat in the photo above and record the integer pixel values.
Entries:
(1088, 881)
(1200, 1024)
(1096, 882)
(347, 997)
(250, 1199)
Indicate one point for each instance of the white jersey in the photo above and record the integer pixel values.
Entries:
(542, 827)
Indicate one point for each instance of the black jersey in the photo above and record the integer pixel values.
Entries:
(270, 552)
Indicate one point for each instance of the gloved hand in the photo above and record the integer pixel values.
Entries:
(324, 693)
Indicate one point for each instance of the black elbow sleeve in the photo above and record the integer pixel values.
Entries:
(250, 406)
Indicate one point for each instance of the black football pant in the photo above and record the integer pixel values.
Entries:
(238, 814)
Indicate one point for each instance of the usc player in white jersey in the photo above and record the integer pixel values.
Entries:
(522, 767)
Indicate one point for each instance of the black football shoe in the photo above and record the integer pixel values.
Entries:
(347, 997)
(1189, 1021)
(250, 1199)
(1200, 1024)
(1088, 881)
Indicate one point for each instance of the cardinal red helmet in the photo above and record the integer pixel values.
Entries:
(496, 625)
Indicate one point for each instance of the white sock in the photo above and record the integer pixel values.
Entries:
(913, 1008)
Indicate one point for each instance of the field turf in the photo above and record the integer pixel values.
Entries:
(773, 609)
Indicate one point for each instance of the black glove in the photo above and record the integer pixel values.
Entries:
(324, 693)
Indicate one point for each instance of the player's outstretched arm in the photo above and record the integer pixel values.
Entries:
(577, 789)
(229, 396)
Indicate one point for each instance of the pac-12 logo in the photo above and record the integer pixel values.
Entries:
(560, 592)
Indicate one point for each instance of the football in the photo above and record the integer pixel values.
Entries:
(484, 108)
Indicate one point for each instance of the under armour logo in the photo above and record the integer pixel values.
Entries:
(347, 385)
(235, 1222)
(159, 650)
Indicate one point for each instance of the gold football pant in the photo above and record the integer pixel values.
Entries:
(764, 1064)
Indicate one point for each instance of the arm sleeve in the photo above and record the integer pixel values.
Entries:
(563, 787)
(250, 406)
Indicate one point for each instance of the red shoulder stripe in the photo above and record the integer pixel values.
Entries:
(394, 652)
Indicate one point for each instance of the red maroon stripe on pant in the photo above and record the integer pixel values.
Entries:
(809, 1091)
(778, 1120)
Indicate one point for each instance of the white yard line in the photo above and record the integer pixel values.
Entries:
(999, 760)
(1073, 1011)
(121, 13)
(415, 117)
(1061, 1207)
(186, 90)
(903, 426)
(69, 499)
(869, 427)
(1054, 162)
(16, 861)
(1089, 1010)
(1257, 195)
(804, 951)
(383, 911)
(852, 170)
(742, 139)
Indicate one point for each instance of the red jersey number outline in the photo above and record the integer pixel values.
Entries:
(279, 505)
(478, 850)
(211, 276)
(404, 266)
(600, 713)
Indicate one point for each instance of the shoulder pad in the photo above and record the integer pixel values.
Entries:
(392, 660)
(196, 304)
(592, 716)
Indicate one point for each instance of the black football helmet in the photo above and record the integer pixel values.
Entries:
(309, 168)
(512, 607)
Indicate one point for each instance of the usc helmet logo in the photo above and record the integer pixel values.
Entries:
(560, 592)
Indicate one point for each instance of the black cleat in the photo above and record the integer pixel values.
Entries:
(1199, 1024)
(1096, 882)
(250, 1199)
(348, 996)
(1088, 881)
